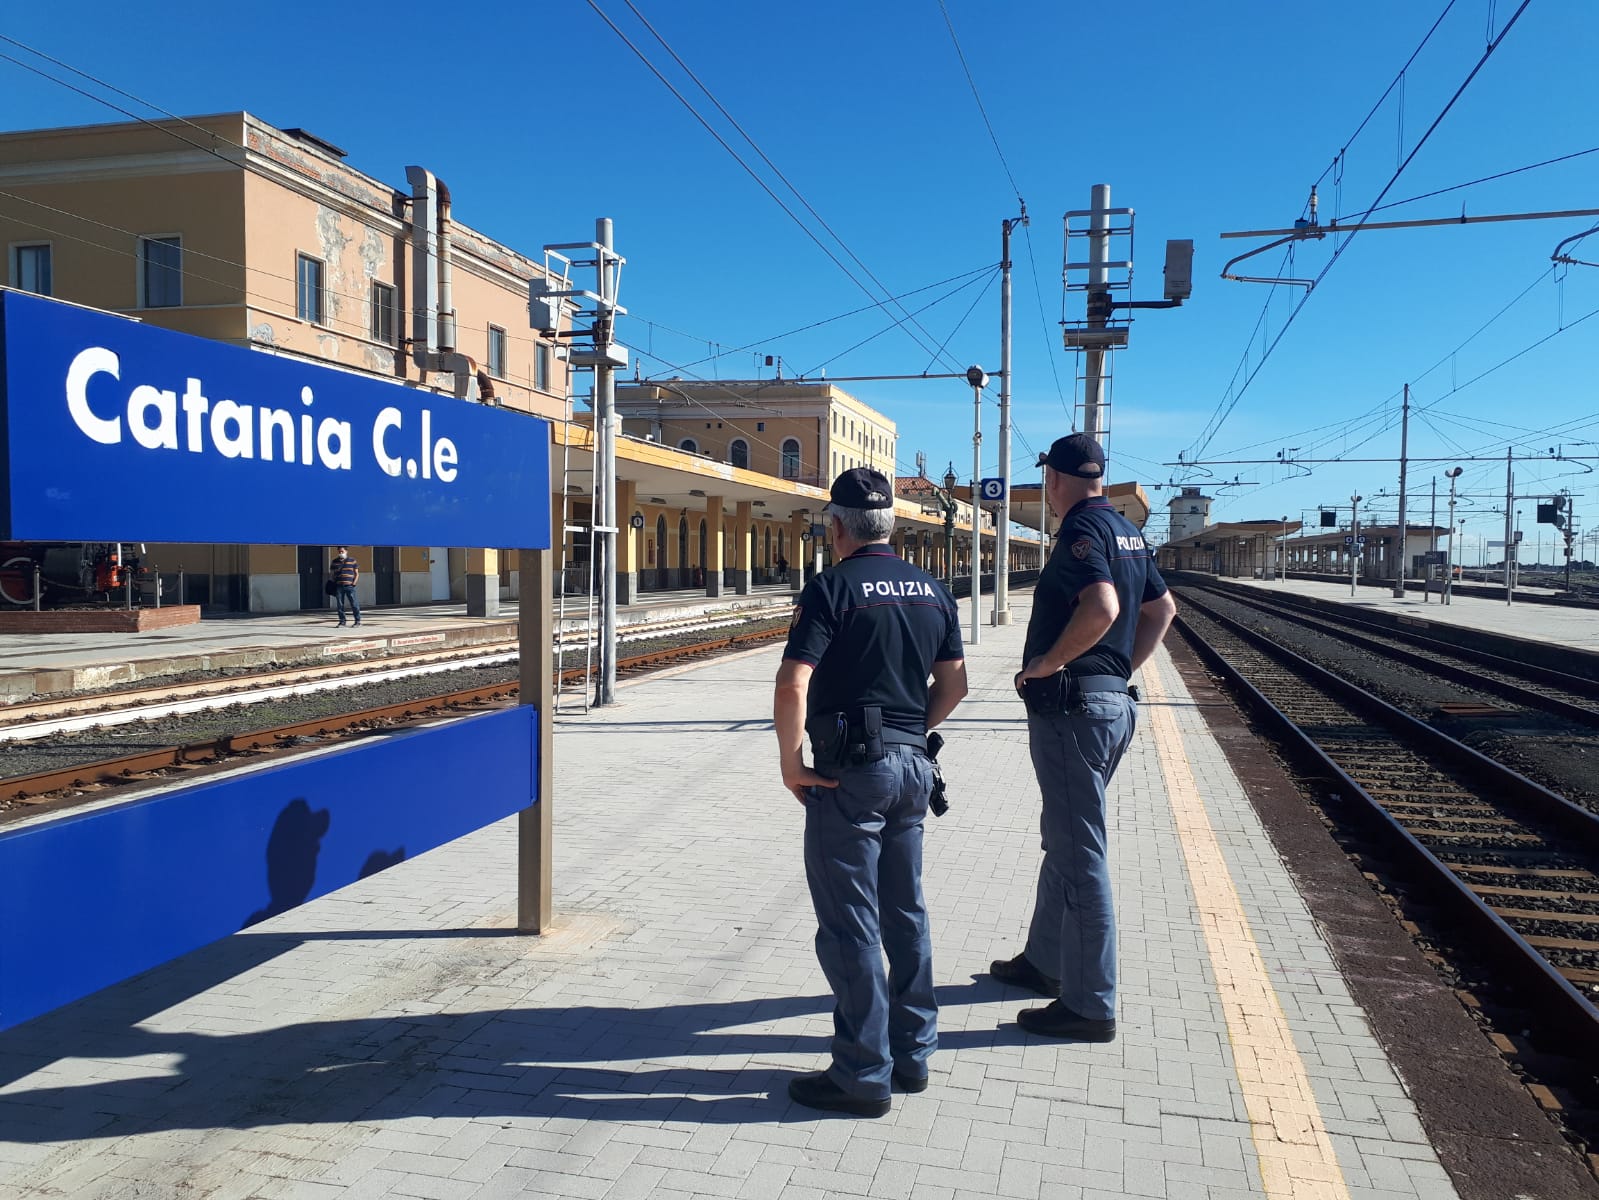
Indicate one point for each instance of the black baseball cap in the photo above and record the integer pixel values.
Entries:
(1075, 454)
(862, 487)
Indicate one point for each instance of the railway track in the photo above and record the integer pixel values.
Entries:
(41, 718)
(1570, 696)
(1515, 864)
(46, 789)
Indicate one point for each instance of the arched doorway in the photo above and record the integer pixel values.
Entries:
(699, 580)
(682, 552)
(661, 576)
(767, 563)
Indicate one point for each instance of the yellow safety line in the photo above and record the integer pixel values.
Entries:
(1296, 1155)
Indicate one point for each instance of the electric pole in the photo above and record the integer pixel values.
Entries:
(1449, 567)
(1510, 517)
(1399, 539)
(1002, 541)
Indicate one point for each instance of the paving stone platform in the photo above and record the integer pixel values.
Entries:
(394, 1039)
(1544, 623)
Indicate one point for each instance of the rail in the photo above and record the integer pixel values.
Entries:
(33, 792)
(1454, 816)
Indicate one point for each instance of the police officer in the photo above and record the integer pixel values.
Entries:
(1099, 610)
(866, 635)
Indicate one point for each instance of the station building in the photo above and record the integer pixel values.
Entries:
(1260, 549)
(226, 227)
(696, 522)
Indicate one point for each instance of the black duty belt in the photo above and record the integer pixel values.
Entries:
(847, 739)
(1062, 691)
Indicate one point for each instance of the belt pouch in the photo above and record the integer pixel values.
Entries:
(1047, 695)
(871, 734)
(829, 737)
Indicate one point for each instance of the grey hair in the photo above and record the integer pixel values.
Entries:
(864, 524)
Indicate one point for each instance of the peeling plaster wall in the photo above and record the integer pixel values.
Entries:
(346, 219)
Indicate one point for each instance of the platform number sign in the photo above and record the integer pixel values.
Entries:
(991, 491)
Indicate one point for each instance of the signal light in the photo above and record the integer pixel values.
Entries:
(1553, 512)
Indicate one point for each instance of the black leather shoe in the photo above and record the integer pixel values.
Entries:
(1057, 1021)
(1020, 972)
(818, 1091)
(907, 1082)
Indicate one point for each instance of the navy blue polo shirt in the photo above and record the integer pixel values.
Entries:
(1095, 544)
(872, 626)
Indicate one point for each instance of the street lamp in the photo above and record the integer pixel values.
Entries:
(1354, 543)
(1515, 548)
(978, 378)
(947, 502)
(1449, 570)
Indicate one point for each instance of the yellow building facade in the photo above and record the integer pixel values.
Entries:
(228, 228)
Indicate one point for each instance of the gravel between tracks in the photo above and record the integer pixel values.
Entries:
(92, 745)
(1557, 753)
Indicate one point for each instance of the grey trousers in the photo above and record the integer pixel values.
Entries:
(1073, 932)
(863, 861)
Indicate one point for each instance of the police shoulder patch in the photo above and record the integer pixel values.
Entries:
(1081, 547)
(795, 619)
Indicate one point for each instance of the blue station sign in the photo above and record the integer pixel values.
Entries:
(112, 430)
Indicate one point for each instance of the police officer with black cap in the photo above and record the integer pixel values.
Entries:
(866, 635)
(1099, 610)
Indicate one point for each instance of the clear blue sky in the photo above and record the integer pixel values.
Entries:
(1204, 118)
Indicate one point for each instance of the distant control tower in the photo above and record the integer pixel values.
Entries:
(1190, 513)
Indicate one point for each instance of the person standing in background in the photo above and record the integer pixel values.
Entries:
(345, 573)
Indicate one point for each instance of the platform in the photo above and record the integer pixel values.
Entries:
(43, 664)
(395, 1038)
(1544, 623)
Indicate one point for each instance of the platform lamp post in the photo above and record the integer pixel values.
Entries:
(1449, 555)
(1354, 544)
(947, 501)
(978, 378)
(1282, 554)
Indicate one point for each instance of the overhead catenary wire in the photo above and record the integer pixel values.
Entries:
(966, 316)
(1050, 343)
(749, 170)
(889, 328)
(765, 341)
(1338, 250)
(1548, 162)
(1423, 409)
(1397, 82)
(972, 83)
(1027, 230)
(1361, 418)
